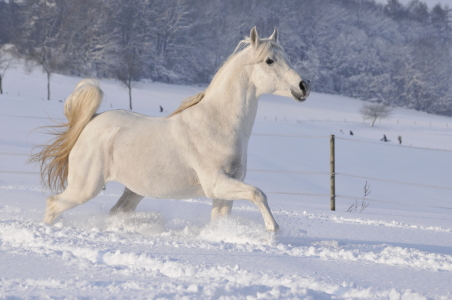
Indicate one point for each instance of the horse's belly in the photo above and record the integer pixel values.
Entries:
(165, 189)
(174, 181)
(152, 179)
(174, 192)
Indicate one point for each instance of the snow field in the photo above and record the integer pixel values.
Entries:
(97, 249)
(398, 249)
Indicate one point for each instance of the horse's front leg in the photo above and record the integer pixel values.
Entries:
(221, 208)
(228, 188)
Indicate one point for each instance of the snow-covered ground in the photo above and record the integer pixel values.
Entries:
(399, 247)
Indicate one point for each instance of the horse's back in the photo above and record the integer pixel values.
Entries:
(120, 117)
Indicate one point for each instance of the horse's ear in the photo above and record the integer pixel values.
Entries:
(274, 36)
(254, 37)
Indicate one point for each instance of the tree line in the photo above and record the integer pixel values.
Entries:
(392, 54)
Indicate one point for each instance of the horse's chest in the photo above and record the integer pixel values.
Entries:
(234, 158)
(234, 162)
(218, 151)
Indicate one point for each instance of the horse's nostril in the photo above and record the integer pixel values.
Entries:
(303, 87)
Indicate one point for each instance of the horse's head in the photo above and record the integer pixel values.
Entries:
(273, 73)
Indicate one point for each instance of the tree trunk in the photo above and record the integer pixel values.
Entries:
(48, 85)
(130, 96)
(373, 122)
(1, 89)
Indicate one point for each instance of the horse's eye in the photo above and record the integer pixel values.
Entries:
(269, 61)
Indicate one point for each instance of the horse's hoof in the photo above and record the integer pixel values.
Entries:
(48, 220)
(273, 228)
(49, 217)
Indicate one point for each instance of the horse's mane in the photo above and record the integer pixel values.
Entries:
(189, 102)
(265, 47)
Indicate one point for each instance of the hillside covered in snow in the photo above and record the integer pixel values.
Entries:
(398, 247)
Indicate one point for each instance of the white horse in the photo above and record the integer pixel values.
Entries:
(199, 150)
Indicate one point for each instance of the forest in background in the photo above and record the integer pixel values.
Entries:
(394, 54)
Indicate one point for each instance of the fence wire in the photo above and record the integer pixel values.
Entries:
(390, 202)
(14, 154)
(299, 194)
(19, 172)
(291, 135)
(386, 144)
(287, 172)
(304, 172)
(398, 182)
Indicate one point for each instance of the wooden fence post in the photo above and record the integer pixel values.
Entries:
(333, 175)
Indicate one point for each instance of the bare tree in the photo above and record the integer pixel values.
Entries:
(131, 20)
(45, 58)
(371, 111)
(6, 61)
(363, 205)
(128, 70)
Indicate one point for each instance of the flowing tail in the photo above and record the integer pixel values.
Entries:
(80, 107)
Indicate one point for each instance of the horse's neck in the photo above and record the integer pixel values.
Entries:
(232, 102)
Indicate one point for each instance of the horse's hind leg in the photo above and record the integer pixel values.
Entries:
(85, 181)
(127, 203)
(221, 208)
(73, 196)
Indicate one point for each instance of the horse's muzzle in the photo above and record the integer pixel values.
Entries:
(303, 93)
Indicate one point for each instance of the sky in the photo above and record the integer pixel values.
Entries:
(430, 3)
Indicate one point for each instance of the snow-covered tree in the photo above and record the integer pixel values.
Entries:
(39, 39)
(371, 111)
(387, 53)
